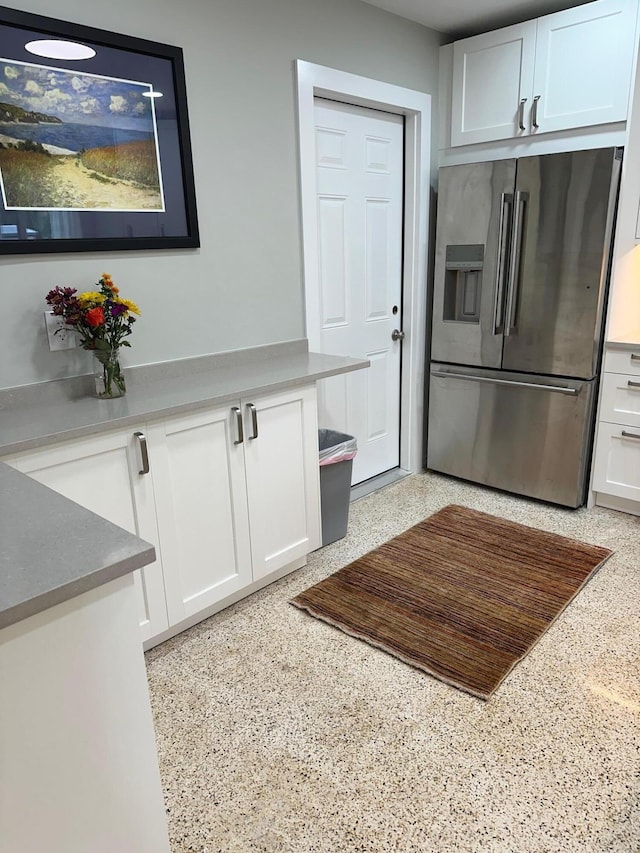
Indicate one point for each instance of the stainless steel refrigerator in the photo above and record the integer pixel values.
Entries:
(523, 253)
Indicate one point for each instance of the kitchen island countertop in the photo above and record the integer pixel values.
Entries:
(52, 549)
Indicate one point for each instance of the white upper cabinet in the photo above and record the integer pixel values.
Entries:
(492, 83)
(584, 59)
(567, 70)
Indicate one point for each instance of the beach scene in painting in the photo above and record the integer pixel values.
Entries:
(71, 141)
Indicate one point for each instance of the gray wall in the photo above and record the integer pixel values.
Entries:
(243, 287)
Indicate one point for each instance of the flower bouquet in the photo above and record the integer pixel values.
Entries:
(102, 319)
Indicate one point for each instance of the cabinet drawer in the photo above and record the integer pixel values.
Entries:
(621, 399)
(622, 361)
(617, 463)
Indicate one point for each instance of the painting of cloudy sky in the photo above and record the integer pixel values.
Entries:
(73, 141)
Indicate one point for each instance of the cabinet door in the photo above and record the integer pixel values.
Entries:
(583, 63)
(101, 474)
(492, 73)
(281, 452)
(616, 468)
(200, 495)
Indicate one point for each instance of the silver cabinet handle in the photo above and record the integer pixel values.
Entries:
(635, 356)
(560, 389)
(506, 200)
(534, 112)
(520, 201)
(523, 101)
(239, 427)
(254, 421)
(144, 452)
(630, 435)
(633, 384)
(397, 335)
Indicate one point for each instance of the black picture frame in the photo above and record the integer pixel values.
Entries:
(161, 215)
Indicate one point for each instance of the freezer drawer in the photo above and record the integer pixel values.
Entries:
(526, 434)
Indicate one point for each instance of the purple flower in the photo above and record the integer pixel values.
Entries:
(117, 309)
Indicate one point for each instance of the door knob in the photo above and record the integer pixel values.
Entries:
(397, 335)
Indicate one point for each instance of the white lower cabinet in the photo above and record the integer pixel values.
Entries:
(102, 474)
(616, 467)
(201, 504)
(227, 496)
(617, 463)
(281, 458)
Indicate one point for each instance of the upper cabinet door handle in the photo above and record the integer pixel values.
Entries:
(254, 421)
(521, 125)
(144, 452)
(534, 112)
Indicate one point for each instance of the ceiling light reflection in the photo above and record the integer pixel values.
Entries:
(55, 49)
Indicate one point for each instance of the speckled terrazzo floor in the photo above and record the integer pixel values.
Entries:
(277, 733)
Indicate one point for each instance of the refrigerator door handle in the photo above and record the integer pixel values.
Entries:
(520, 200)
(560, 389)
(506, 201)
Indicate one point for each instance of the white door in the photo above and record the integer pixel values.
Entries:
(492, 83)
(359, 188)
(584, 58)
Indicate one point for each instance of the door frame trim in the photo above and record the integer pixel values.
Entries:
(319, 81)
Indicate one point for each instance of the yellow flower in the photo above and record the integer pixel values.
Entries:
(91, 296)
(129, 305)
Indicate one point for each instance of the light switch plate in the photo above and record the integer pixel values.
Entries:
(66, 337)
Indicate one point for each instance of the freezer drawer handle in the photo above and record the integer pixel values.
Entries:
(635, 356)
(630, 435)
(523, 101)
(520, 201)
(560, 389)
(506, 200)
(633, 384)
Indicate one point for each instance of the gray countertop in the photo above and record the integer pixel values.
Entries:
(44, 558)
(50, 412)
(630, 343)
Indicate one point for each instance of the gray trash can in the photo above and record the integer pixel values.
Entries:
(336, 452)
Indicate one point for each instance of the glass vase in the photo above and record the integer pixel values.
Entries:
(108, 374)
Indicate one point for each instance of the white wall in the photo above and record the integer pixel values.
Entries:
(623, 322)
(243, 287)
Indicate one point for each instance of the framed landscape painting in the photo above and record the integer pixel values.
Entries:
(95, 151)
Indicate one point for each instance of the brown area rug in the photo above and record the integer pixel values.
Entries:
(463, 595)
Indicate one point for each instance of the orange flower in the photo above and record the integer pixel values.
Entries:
(95, 317)
(106, 281)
